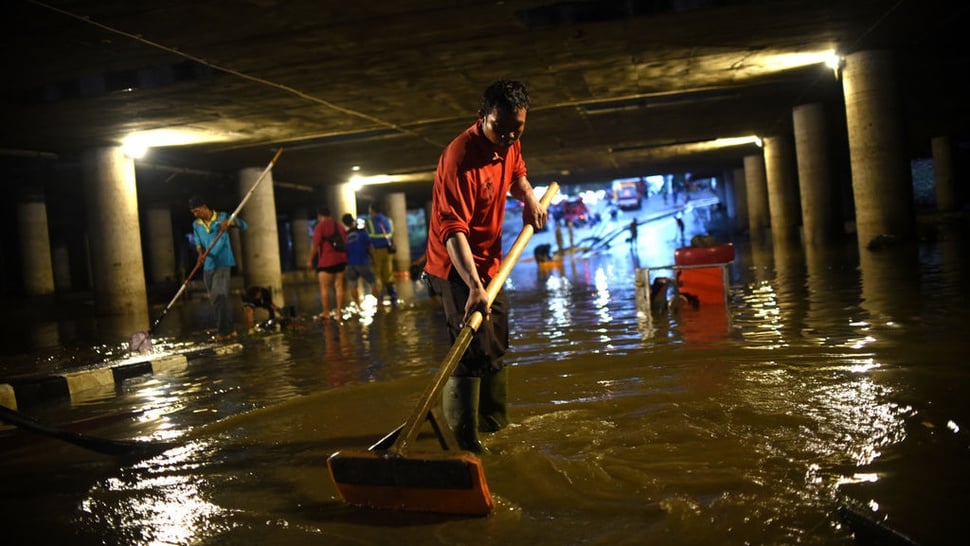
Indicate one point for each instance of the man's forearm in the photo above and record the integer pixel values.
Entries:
(461, 258)
(521, 189)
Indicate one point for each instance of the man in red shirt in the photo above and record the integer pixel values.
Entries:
(475, 172)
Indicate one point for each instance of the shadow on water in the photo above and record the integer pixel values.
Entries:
(836, 373)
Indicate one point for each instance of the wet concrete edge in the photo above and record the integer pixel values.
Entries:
(26, 391)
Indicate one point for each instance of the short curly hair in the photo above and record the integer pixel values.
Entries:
(507, 94)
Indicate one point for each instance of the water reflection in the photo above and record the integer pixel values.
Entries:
(602, 295)
(758, 317)
(557, 314)
(890, 282)
(790, 284)
(156, 502)
(823, 383)
(44, 336)
(823, 293)
(760, 261)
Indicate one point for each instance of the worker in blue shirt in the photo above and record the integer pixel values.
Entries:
(219, 262)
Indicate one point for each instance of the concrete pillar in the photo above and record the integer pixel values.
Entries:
(881, 181)
(301, 237)
(943, 172)
(820, 202)
(397, 211)
(35, 247)
(719, 184)
(782, 180)
(740, 200)
(61, 262)
(342, 200)
(260, 242)
(757, 189)
(235, 241)
(161, 244)
(117, 272)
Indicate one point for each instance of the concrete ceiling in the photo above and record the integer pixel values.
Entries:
(618, 86)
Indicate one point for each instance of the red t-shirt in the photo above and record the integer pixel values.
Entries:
(326, 255)
(468, 196)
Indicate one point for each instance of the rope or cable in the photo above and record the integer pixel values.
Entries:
(235, 72)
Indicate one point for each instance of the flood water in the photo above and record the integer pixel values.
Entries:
(833, 376)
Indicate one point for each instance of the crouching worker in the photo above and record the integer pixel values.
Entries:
(543, 253)
(465, 252)
(260, 297)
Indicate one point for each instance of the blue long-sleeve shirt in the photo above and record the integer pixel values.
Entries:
(205, 232)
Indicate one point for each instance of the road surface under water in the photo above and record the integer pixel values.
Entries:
(834, 376)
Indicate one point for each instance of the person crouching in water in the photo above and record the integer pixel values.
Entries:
(261, 297)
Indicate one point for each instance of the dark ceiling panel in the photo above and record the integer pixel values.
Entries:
(385, 85)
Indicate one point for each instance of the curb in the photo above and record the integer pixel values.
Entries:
(82, 384)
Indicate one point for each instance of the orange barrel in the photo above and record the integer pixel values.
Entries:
(717, 254)
(706, 283)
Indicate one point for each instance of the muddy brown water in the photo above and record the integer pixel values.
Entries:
(834, 376)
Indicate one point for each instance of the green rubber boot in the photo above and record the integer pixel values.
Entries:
(493, 414)
(460, 403)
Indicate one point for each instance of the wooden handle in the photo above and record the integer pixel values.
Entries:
(512, 256)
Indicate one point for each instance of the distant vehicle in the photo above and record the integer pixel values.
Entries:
(575, 211)
(628, 193)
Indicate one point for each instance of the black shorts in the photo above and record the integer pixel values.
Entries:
(333, 269)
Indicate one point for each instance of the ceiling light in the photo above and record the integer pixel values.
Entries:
(775, 62)
(664, 150)
(834, 60)
(737, 141)
(359, 181)
(134, 150)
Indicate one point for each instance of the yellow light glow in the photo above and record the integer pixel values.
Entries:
(140, 141)
(834, 61)
(786, 61)
(694, 147)
(134, 150)
(359, 181)
(738, 141)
